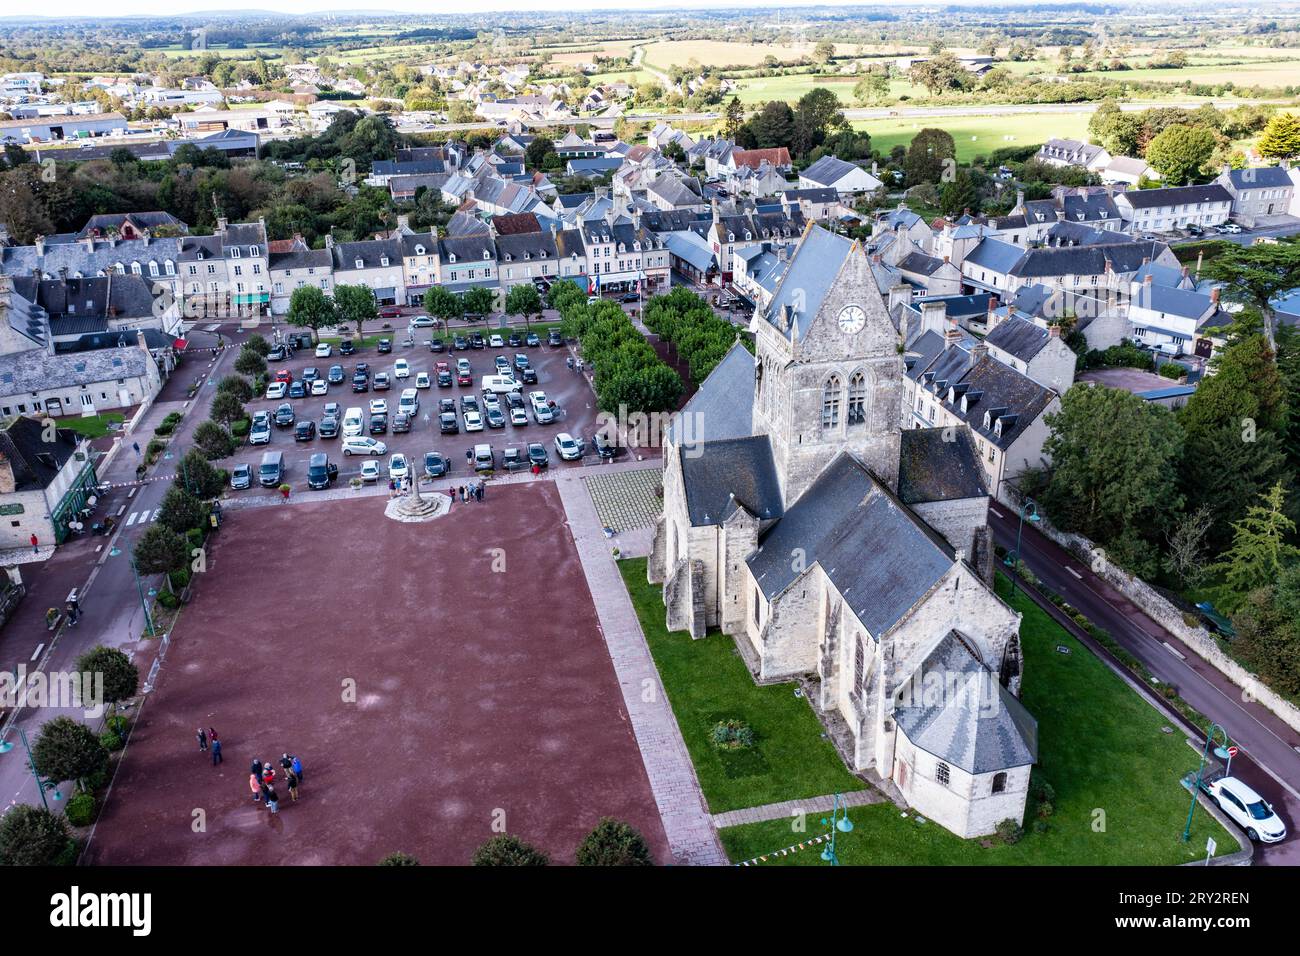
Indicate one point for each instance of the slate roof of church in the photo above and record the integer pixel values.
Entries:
(723, 406)
(731, 472)
(982, 728)
(938, 464)
(813, 267)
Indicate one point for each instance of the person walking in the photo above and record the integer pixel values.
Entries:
(255, 784)
(462, 497)
(216, 751)
(256, 768)
(291, 781)
(203, 740)
(272, 800)
(212, 734)
(136, 446)
(297, 768)
(71, 610)
(478, 491)
(35, 544)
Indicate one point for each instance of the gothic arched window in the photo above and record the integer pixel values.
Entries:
(857, 398)
(999, 782)
(831, 402)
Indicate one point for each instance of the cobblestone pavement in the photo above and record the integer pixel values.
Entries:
(789, 809)
(686, 821)
(626, 499)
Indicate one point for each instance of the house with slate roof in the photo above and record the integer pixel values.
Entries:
(1258, 192)
(1175, 207)
(847, 179)
(838, 547)
(43, 484)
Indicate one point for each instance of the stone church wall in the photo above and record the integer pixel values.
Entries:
(956, 520)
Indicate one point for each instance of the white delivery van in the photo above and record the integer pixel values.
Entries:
(410, 402)
(500, 384)
(353, 422)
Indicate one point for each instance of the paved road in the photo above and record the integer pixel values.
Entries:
(112, 613)
(1246, 237)
(1269, 760)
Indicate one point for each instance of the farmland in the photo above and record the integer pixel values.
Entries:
(975, 135)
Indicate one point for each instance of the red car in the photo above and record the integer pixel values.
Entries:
(284, 375)
(464, 378)
(442, 367)
(390, 312)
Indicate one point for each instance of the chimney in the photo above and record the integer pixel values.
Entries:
(7, 484)
(139, 340)
(1146, 280)
(1186, 271)
(978, 351)
(404, 223)
(1020, 201)
(39, 242)
(552, 228)
(1146, 260)
(900, 294)
(952, 335)
(1054, 331)
(145, 236)
(945, 260)
(222, 223)
(1199, 256)
(1214, 295)
(329, 240)
(90, 243)
(933, 315)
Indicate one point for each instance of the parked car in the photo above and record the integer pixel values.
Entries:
(370, 470)
(630, 297)
(241, 477)
(473, 420)
(385, 346)
(515, 340)
(379, 424)
(444, 378)
(259, 433)
(532, 340)
(332, 408)
(378, 406)
(502, 364)
(553, 338)
(537, 454)
(381, 382)
(346, 347)
(297, 389)
(422, 322)
(496, 342)
(604, 447)
(422, 380)
(320, 387)
(363, 445)
(567, 448)
(1248, 810)
(518, 415)
(447, 405)
(448, 423)
(324, 350)
(401, 368)
(529, 375)
(435, 465)
(360, 382)
(521, 361)
(1231, 227)
(463, 377)
(310, 374)
(401, 423)
(460, 343)
(329, 427)
(397, 467)
(468, 403)
(390, 312)
(363, 368)
(305, 430)
(278, 353)
(284, 416)
(512, 459)
(335, 375)
(476, 340)
(320, 471)
(495, 418)
(482, 457)
(437, 344)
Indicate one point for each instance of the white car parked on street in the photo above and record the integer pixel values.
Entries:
(401, 368)
(397, 467)
(1248, 810)
(324, 350)
(363, 445)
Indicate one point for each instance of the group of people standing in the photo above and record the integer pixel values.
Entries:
(261, 780)
(208, 740)
(471, 492)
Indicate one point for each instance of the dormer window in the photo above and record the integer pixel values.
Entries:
(383, 261)
(487, 254)
(119, 268)
(153, 269)
(252, 250)
(199, 255)
(360, 264)
(419, 250)
(987, 420)
(234, 252)
(135, 269)
(451, 258)
(169, 267)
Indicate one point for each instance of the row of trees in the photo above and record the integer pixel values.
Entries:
(611, 843)
(699, 336)
(628, 372)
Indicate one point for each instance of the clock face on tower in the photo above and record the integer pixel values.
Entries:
(852, 319)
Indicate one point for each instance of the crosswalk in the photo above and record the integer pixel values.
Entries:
(143, 517)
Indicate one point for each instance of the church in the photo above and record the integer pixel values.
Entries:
(839, 548)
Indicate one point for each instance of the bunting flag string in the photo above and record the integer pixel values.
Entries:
(795, 848)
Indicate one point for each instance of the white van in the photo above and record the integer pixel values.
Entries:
(353, 422)
(410, 401)
(499, 384)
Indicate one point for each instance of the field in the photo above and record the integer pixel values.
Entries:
(1116, 775)
(587, 52)
(976, 135)
(1242, 74)
(668, 53)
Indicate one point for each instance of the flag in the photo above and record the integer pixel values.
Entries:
(593, 284)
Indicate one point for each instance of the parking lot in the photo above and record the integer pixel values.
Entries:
(575, 411)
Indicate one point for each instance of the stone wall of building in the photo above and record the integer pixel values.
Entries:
(958, 521)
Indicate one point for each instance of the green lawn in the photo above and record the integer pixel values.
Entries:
(706, 681)
(976, 135)
(92, 426)
(1100, 747)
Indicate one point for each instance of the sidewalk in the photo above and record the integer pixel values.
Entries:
(668, 765)
(790, 809)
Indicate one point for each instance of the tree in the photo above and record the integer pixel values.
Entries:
(734, 118)
(1114, 471)
(478, 300)
(354, 304)
(67, 750)
(258, 343)
(214, 441)
(180, 510)
(199, 475)
(874, 85)
(817, 111)
(237, 386)
(1185, 557)
(226, 408)
(250, 362)
(1256, 275)
(769, 128)
(121, 678)
(928, 156)
(614, 843)
(1259, 547)
(33, 836)
(958, 194)
(310, 308)
(524, 300)
(824, 51)
(441, 304)
(1179, 152)
(538, 151)
(1281, 137)
(1268, 635)
(940, 73)
(399, 859)
(160, 550)
(508, 850)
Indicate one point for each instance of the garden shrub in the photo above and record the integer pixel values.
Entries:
(81, 810)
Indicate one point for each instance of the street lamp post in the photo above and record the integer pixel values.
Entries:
(41, 783)
(139, 586)
(1221, 752)
(1029, 510)
(838, 823)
